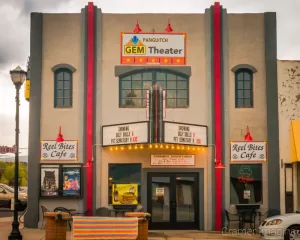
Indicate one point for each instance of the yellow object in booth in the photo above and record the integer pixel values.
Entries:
(295, 141)
(125, 194)
(27, 90)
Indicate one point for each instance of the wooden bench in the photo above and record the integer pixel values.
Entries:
(115, 228)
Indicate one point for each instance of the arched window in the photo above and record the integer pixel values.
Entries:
(243, 89)
(63, 92)
(244, 85)
(134, 85)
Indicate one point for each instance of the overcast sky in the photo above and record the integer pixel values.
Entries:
(14, 39)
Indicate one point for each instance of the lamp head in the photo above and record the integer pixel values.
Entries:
(18, 76)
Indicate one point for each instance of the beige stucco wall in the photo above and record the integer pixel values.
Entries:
(193, 25)
(246, 46)
(289, 109)
(61, 44)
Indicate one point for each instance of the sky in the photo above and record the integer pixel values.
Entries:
(15, 34)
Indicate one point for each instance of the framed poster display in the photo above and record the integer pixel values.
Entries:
(50, 180)
(62, 181)
(71, 177)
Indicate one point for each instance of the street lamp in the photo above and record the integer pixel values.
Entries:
(18, 76)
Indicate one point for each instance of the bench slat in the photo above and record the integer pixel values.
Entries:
(115, 228)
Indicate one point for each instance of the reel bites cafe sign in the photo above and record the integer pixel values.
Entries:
(153, 48)
(251, 151)
(66, 150)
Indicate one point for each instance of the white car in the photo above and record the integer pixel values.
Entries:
(281, 227)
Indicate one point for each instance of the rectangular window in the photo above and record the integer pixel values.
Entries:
(120, 175)
(246, 184)
(133, 88)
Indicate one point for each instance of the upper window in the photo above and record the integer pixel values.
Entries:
(243, 85)
(133, 88)
(63, 92)
(243, 89)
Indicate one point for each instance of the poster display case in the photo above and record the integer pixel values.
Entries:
(60, 181)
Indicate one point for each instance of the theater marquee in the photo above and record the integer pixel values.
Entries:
(186, 134)
(126, 133)
(153, 48)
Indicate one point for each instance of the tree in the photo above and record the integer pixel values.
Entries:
(8, 177)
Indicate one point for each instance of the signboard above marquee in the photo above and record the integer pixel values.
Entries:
(123, 134)
(153, 48)
(66, 150)
(186, 134)
(172, 160)
(248, 151)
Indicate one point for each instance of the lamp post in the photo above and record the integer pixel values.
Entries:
(18, 76)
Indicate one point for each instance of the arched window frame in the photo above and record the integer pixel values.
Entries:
(244, 85)
(151, 78)
(63, 87)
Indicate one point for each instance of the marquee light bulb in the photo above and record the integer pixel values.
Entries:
(161, 146)
(198, 148)
(178, 147)
(122, 148)
(167, 146)
(193, 148)
(129, 147)
(116, 148)
(173, 147)
(156, 146)
(141, 147)
(182, 147)
(188, 148)
(202, 149)
(110, 149)
(150, 146)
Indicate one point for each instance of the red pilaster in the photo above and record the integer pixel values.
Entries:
(218, 112)
(89, 105)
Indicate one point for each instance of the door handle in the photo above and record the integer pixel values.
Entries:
(172, 204)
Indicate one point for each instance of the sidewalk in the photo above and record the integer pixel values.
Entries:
(37, 234)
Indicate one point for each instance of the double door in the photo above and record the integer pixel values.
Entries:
(173, 200)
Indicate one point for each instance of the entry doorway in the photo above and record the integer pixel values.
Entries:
(173, 200)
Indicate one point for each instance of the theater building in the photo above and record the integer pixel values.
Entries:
(125, 113)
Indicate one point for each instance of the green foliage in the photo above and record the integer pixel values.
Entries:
(7, 174)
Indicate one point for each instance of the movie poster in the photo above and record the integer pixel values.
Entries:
(49, 181)
(125, 194)
(71, 181)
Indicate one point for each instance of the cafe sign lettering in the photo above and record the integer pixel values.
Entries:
(179, 133)
(6, 149)
(122, 134)
(246, 151)
(52, 150)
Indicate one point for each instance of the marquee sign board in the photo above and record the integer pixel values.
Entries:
(186, 134)
(126, 133)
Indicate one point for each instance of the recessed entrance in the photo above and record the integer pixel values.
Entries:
(173, 200)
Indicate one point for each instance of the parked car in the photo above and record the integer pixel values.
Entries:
(281, 227)
(7, 196)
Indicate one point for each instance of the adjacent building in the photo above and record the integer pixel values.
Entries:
(149, 117)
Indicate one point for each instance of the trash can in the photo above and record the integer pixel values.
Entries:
(55, 229)
(143, 219)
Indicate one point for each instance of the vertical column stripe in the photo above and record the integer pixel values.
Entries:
(209, 76)
(218, 111)
(89, 105)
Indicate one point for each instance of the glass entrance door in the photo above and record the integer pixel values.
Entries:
(173, 200)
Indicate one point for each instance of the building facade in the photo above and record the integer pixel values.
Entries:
(289, 132)
(146, 116)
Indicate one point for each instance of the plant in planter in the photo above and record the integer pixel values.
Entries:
(147, 216)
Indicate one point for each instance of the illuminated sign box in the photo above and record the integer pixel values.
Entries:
(125, 194)
(185, 134)
(124, 134)
(248, 151)
(153, 48)
(66, 150)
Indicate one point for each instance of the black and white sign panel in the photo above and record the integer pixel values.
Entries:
(179, 133)
(248, 151)
(122, 134)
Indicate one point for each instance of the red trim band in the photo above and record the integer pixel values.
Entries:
(89, 105)
(218, 112)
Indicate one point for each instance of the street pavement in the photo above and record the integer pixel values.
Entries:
(37, 234)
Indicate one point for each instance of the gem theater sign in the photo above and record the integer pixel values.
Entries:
(122, 134)
(248, 151)
(52, 150)
(186, 134)
(157, 48)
